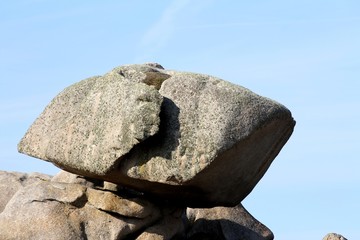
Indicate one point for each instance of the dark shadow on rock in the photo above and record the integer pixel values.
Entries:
(159, 145)
(162, 144)
(222, 229)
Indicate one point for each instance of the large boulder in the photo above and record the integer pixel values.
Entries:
(192, 138)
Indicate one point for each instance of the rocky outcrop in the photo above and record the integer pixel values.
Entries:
(148, 153)
(73, 211)
(11, 182)
(71, 207)
(188, 137)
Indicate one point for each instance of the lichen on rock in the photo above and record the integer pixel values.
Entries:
(144, 150)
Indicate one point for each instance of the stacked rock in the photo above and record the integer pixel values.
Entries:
(153, 148)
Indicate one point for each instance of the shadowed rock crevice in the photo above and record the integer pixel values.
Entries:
(226, 223)
(83, 231)
(222, 229)
(161, 145)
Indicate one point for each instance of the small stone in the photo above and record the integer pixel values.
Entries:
(149, 74)
(111, 186)
(110, 202)
(156, 65)
(334, 236)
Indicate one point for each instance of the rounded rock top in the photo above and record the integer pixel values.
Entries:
(187, 137)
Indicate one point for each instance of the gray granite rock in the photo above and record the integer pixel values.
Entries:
(72, 207)
(334, 236)
(150, 73)
(67, 177)
(90, 125)
(170, 227)
(225, 223)
(193, 141)
(11, 182)
(214, 137)
(66, 211)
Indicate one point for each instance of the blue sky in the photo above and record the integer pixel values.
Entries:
(304, 54)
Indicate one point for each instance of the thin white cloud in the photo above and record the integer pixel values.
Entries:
(274, 23)
(160, 32)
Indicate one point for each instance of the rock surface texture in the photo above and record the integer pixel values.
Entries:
(146, 153)
(188, 137)
(225, 223)
(71, 207)
(11, 182)
(334, 236)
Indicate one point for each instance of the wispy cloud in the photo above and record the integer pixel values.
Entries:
(161, 31)
(275, 23)
(323, 21)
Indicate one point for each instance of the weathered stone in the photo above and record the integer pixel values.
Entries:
(225, 223)
(89, 126)
(214, 136)
(111, 186)
(67, 177)
(109, 202)
(53, 210)
(171, 226)
(149, 74)
(11, 182)
(72, 207)
(334, 236)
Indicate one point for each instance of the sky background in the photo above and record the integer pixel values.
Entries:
(304, 54)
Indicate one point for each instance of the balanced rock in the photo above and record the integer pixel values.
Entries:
(192, 138)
